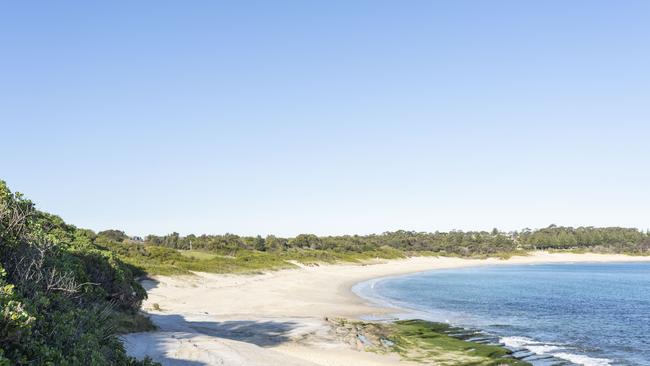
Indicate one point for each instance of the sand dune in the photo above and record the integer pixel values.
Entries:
(279, 318)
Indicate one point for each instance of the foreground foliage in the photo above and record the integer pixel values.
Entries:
(60, 294)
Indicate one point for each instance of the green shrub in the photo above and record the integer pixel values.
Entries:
(60, 293)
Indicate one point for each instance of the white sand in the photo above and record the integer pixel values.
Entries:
(278, 318)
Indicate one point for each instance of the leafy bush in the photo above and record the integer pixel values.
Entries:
(59, 292)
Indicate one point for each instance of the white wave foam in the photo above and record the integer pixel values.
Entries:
(517, 342)
(582, 359)
(541, 348)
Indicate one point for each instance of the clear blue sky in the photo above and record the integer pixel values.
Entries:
(328, 117)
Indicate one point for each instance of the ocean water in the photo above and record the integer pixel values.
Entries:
(585, 314)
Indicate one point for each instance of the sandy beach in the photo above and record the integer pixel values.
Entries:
(280, 317)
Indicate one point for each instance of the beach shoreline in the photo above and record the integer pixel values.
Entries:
(280, 317)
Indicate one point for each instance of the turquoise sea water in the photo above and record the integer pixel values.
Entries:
(588, 314)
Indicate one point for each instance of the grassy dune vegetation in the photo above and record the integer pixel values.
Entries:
(161, 260)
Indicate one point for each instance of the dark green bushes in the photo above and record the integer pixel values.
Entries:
(453, 243)
(607, 239)
(59, 292)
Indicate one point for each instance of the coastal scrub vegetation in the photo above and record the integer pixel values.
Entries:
(453, 243)
(62, 298)
(174, 253)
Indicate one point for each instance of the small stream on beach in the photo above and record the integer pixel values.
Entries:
(559, 314)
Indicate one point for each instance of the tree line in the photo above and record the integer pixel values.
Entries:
(464, 243)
